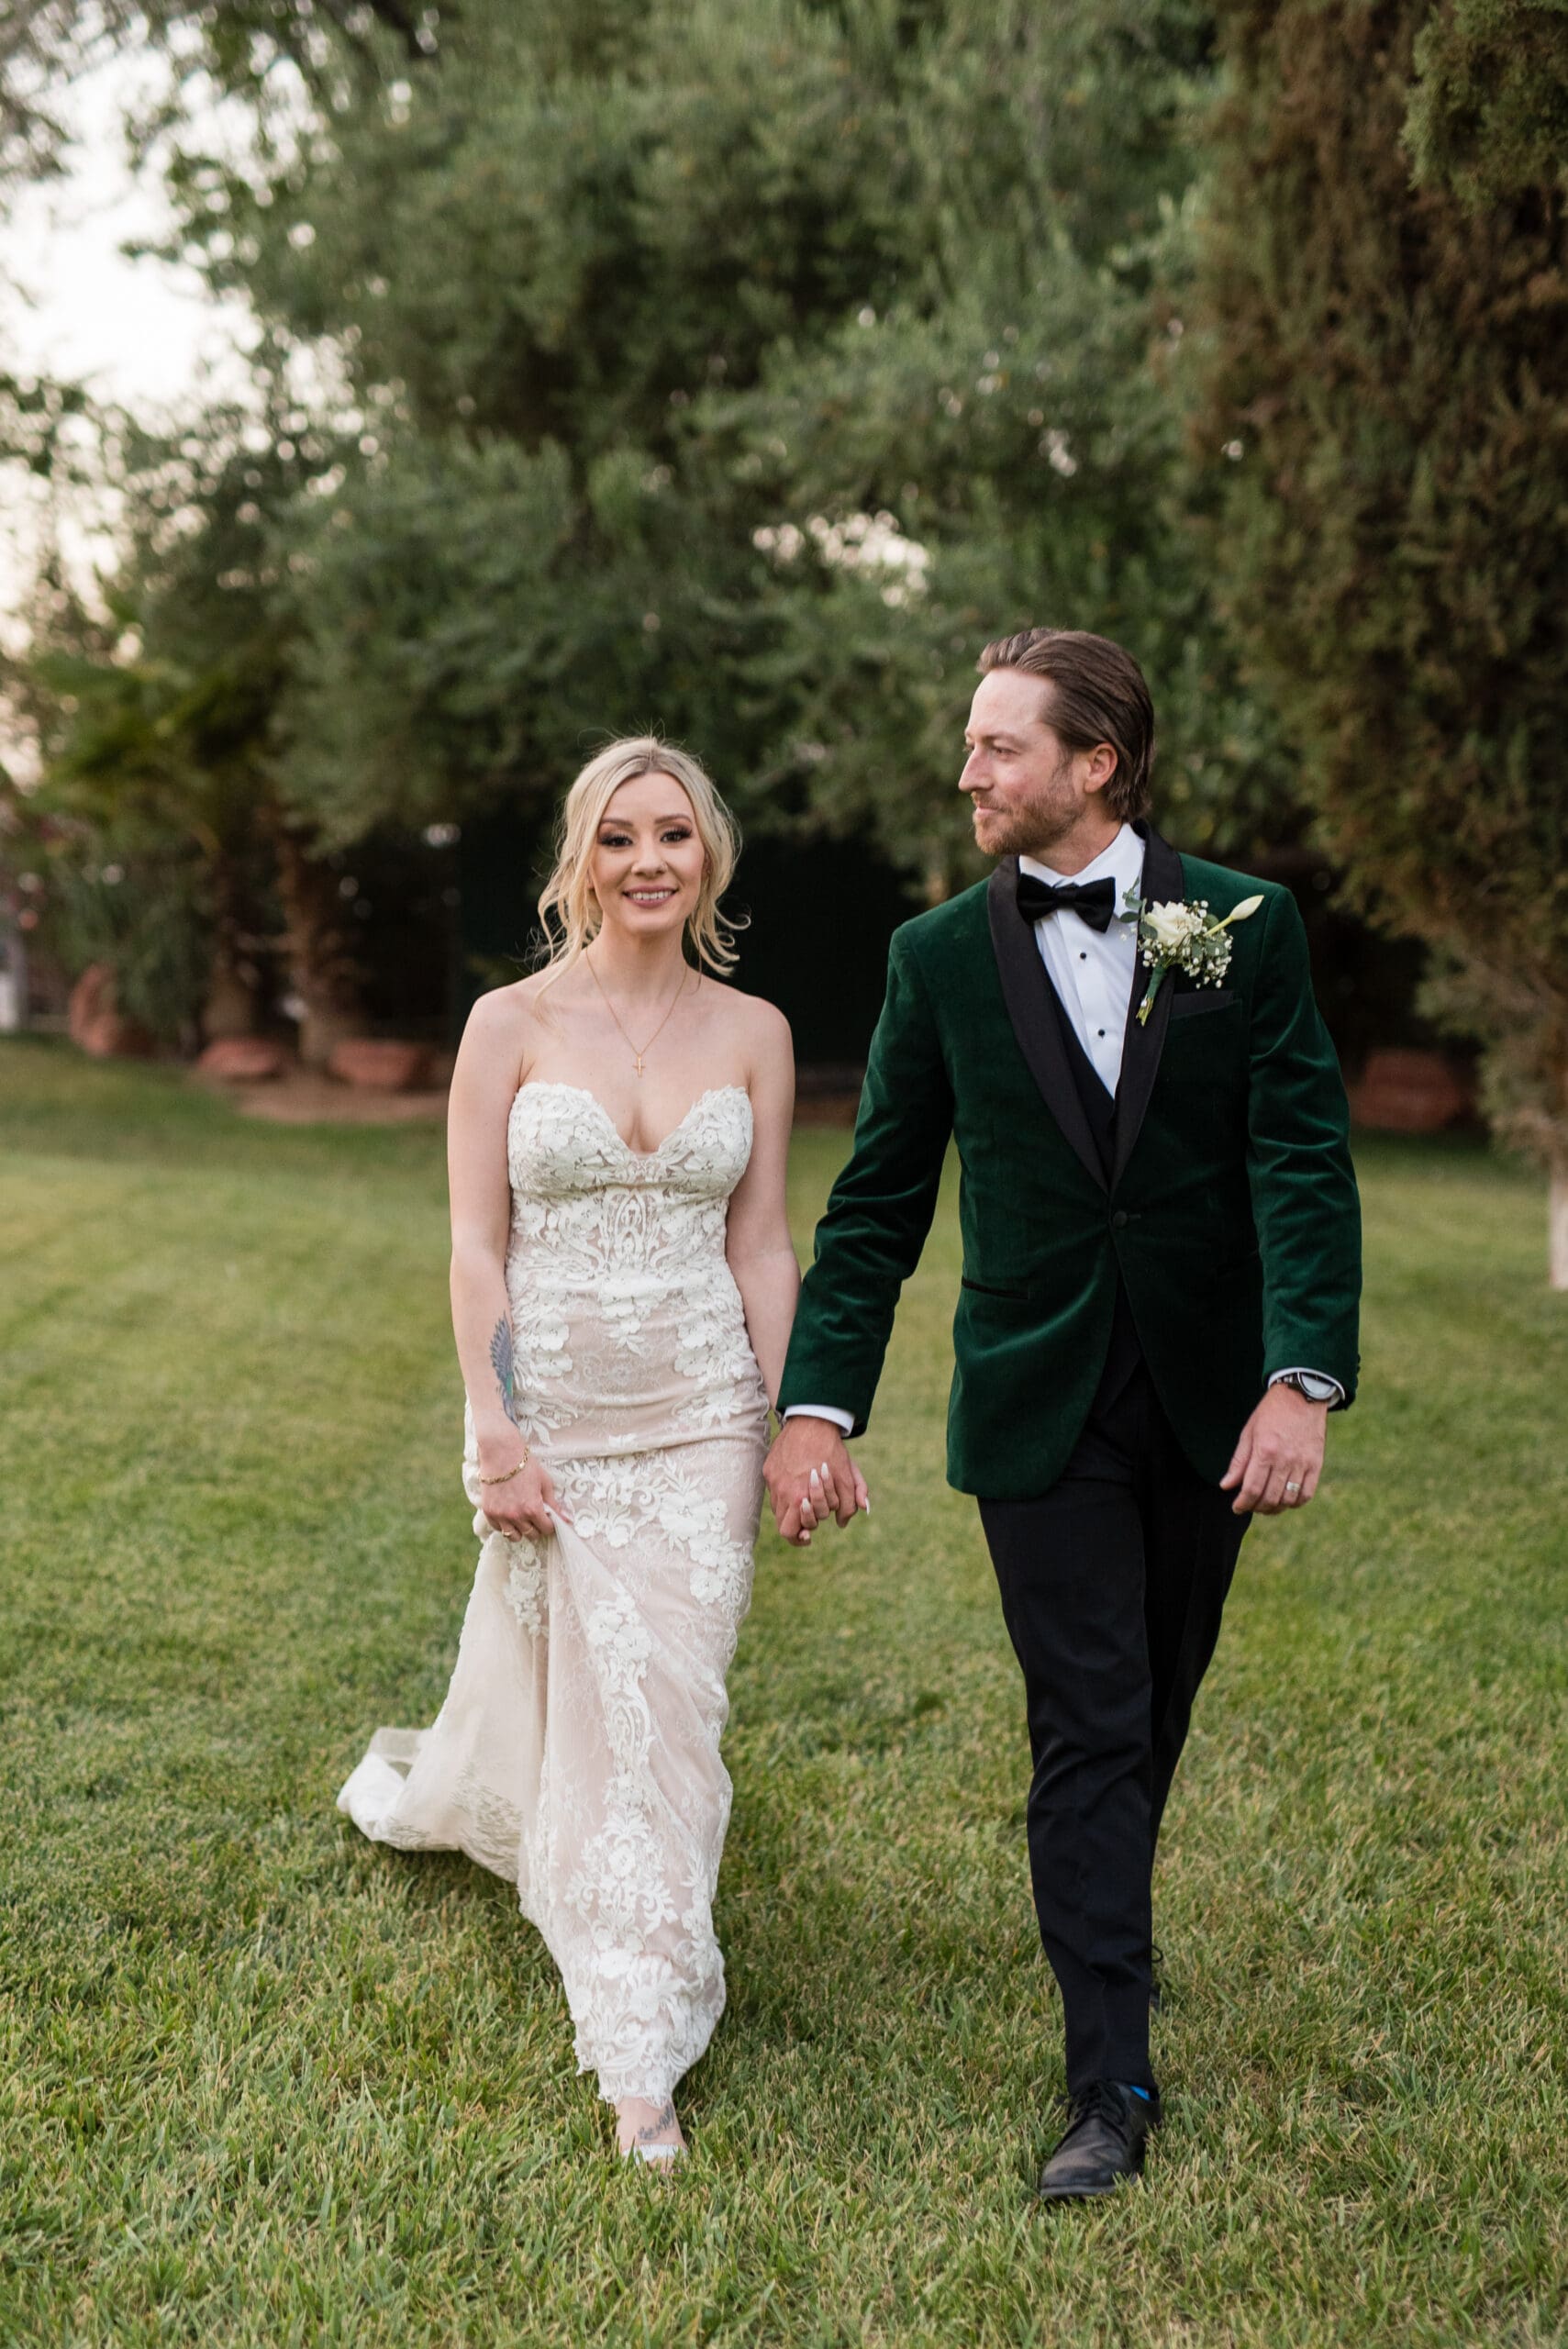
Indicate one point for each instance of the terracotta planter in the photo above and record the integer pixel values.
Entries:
(94, 1023)
(244, 1059)
(1411, 1093)
(91, 997)
(380, 1064)
(108, 1037)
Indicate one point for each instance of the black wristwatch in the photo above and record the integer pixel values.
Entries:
(1310, 1383)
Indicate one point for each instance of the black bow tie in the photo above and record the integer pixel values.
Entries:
(1092, 901)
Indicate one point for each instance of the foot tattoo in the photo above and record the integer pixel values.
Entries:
(657, 2142)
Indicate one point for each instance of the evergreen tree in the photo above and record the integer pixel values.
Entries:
(1488, 112)
(1387, 399)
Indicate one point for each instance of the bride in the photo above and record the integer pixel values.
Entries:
(623, 1285)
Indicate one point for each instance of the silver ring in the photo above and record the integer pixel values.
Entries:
(1293, 1488)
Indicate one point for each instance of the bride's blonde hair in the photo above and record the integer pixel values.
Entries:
(568, 906)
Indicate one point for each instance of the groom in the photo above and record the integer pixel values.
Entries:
(1158, 1307)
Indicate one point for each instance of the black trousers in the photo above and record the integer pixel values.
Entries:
(1112, 1586)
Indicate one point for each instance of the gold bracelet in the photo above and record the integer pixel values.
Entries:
(511, 1472)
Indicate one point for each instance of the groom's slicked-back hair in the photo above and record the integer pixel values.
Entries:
(1098, 693)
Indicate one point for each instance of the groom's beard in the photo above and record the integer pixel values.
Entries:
(1032, 826)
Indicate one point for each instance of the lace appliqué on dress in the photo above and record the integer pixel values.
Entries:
(578, 1749)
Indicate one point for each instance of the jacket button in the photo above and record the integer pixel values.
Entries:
(1119, 1220)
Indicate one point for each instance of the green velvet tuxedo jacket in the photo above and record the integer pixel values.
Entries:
(1230, 1212)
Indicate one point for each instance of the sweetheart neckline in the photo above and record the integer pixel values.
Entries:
(642, 1157)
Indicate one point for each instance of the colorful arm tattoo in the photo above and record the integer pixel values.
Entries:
(505, 1364)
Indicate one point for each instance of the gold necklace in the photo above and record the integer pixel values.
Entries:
(636, 1056)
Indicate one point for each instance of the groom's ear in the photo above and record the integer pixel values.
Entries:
(1100, 765)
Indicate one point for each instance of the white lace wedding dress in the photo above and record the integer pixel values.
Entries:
(577, 1751)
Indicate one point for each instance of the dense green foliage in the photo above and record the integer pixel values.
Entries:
(1488, 111)
(738, 373)
(742, 373)
(166, 843)
(260, 2082)
(1391, 362)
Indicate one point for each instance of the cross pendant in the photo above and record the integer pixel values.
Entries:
(640, 1064)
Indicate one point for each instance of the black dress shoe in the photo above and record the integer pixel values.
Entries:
(1104, 2143)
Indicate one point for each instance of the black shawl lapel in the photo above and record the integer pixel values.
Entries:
(1142, 1046)
(1026, 990)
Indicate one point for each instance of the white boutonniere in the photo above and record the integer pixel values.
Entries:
(1179, 937)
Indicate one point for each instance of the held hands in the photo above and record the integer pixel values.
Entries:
(520, 1505)
(811, 1478)
(1279, 1457)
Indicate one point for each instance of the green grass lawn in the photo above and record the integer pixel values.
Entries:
(260, 2082)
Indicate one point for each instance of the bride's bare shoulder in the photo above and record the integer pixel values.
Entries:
(501, 1024)
(759, 1027)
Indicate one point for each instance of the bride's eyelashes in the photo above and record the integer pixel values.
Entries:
(673, 837)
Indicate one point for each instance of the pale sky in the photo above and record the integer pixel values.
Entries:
(138, 332)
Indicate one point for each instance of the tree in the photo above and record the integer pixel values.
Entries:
(1388, 363)
(652, 312)
(44, 44)
(529, 267)
(734, 372)
(156, 723)
(1007, 423)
